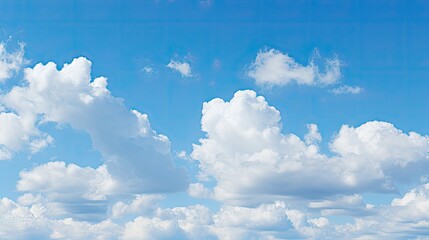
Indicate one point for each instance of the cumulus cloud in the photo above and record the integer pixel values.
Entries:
(68, 228)
(381, 142)
(18, 132)
(251, 160)
(182, 67)
(266, 221)
(134, 153)
(198, 190)
(190, 222)
(57, 178)
(404, 218)
(351, 205)
(31, 222)
(272, 67)
(18, 222)
(345, 89)
(140, 205)
(10, 63)
(313, 136)
(67, 189)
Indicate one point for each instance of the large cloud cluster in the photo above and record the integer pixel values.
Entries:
(269, 184)
(249, 157)
(135, 154)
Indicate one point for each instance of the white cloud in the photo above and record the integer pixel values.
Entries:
(18, 222)
(413, 205)
(176, 223)
(57, 178)
(148, 70)
(10, 63)
(67, 189)
(197, 190)
(182, 67)
(18, 132)
(313, 136)
(141, 205)
(70, 229)
(152, 229)
(251, 160)
(351, 205)
(381, 142)
(264, 217)
(272, 67)
(345, 89)
(266, 221)
(405, 218)
(134, 153)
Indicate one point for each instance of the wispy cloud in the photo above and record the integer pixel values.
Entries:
(183, 68)
(272, 67)
(345, 89)
(10, 63)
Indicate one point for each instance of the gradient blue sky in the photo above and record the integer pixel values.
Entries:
(382, 45)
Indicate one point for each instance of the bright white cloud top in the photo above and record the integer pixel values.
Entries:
(251, 160)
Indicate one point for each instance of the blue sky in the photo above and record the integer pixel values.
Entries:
(313, 123)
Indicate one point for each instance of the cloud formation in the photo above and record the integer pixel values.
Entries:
(345, 89)
(249, 158)
(182, 67)
(10, 63)
(134, 154)
(272, 67)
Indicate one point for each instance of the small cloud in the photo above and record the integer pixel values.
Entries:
(272, 67)
(313, 136)
(148, 70)
(182, 67)
(183, 155)
(10, 63)
(345, 89)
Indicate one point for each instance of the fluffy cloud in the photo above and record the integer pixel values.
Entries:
(61, 179)
(251, 160)
(18, 222)
(68, 189)
(141, 204)
(18, 132)
(10, 63)
(22, 222)
(351, 205)
(266, 221)
(182, 67)
(70, 229)
(405, 218)
(272, 67)
(313, 136)
(345, 89)
(198, 190)
(176, 223)
(135, 154)
(381, 142)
